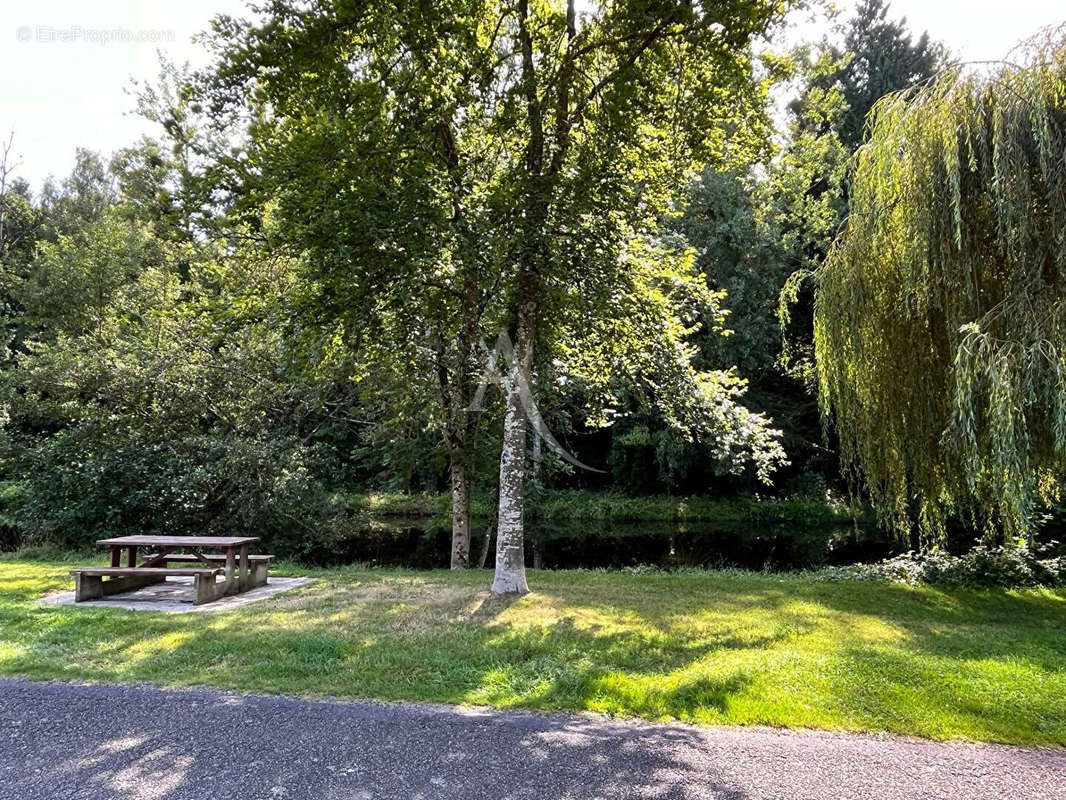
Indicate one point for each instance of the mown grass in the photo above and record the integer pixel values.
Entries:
(733, 648)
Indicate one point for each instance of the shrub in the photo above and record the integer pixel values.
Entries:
(1011, 566)
(81, 485)
(10, 499)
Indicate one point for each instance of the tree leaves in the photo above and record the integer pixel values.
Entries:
(939, 320)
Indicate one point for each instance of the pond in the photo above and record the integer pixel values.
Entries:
(424, 543)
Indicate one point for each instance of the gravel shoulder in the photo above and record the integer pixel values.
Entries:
(116, 742)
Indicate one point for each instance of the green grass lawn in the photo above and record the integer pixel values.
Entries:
(703, 647)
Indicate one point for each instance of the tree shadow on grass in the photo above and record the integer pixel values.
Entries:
(989, 663)
(445, 648)
(960, 624)
(563, 666)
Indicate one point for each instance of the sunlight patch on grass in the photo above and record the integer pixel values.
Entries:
(155, 647)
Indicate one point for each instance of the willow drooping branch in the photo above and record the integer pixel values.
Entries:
(940, 323)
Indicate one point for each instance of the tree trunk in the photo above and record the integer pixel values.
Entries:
(490, 530)
(538, 455)
(460, 515)
(538, 470)
(510, 577)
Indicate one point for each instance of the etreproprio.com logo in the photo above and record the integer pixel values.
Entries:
(76, 34)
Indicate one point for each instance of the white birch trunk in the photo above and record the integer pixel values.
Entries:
(510, 577)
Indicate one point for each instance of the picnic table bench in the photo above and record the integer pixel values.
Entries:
(241, 570)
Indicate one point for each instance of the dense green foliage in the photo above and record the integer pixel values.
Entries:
(941, 311)
(154, 387)
(292, 294)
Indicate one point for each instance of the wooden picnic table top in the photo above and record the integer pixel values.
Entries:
(179, 541)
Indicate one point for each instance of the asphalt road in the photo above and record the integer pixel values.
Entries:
(62, 741)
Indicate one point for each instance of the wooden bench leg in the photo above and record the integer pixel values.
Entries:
(245, 580)
(259, 573)
(88, 587)
(209, 590)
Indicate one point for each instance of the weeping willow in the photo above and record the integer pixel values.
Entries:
(940, 321)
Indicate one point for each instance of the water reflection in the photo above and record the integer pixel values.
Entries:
(423, 543)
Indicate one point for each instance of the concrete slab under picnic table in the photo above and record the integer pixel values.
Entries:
(177, 595)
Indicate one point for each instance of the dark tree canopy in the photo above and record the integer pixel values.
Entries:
(879, 56)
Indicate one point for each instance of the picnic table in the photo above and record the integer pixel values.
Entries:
(241, 570)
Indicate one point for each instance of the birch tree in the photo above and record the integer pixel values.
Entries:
(620, 106)
(455, 168)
